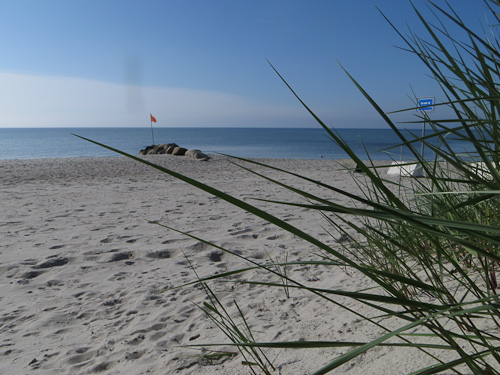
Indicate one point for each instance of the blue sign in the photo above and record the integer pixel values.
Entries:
(426, 104)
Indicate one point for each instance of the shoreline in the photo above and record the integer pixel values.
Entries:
(212, 156)
(18, 170)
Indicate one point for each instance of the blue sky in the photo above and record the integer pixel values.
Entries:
(203, 62)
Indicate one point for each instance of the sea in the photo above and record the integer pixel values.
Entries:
(293, 143)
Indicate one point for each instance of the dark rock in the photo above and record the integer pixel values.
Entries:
(173, 149)
(146, 150)
(170, 148)
(179, 151)
(197, 154)
(158, 149)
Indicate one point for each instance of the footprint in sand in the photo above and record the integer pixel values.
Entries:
(161, 254)
(215, 256)
(83, 355)
(136, 340)
(31, 275)
(121, 256)
(199, 246)
(54, 262)
(134, 355)
(237, 232)
(56, 247)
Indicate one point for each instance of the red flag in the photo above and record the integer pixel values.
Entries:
(153, 119)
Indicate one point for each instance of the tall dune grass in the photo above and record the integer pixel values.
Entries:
(432, 244)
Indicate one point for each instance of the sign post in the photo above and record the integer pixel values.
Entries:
(425, 105)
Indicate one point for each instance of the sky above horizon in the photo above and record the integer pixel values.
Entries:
(203, 63)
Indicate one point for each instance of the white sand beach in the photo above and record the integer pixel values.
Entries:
(84, 275)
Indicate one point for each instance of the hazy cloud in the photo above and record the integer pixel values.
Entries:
(42, 101)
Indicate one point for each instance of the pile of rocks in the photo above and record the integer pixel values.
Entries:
(174, 149)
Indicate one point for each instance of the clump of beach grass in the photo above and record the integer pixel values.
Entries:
(432, 244)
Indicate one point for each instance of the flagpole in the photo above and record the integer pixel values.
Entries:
(152, 134)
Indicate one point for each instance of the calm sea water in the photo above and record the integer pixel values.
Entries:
(245, 142)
